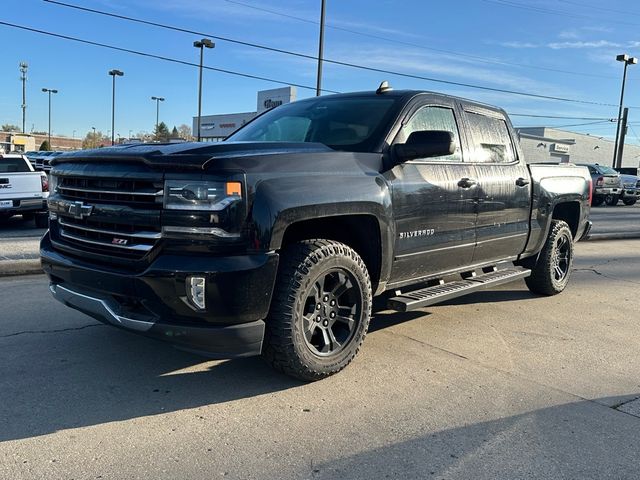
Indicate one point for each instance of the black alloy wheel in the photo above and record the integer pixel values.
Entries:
(332, 312)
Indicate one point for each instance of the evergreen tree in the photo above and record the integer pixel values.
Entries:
(45, 147)
(161, 132)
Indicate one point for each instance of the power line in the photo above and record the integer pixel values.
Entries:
(348, 64)
(492, 61)
(560, 117)
(580, 124)
(158, 57)
(550, 11)
(592, 7)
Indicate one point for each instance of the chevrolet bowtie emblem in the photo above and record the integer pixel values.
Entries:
(79, 210)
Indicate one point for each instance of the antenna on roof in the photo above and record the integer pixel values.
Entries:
(383, 88)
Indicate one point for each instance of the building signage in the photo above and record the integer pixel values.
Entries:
(268, 99)
(560, 148)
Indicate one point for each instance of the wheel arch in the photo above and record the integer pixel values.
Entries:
(362, 232)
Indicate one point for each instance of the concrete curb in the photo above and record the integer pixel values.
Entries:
(22, 266)
(614, 236)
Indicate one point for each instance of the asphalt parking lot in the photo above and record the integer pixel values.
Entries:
(500, 384)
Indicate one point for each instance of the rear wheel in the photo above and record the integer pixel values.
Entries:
(42, 220)
(629, 201)
(597, 201)
(320, 310)
(551, 271)
(611, 200)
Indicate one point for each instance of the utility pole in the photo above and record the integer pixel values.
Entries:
(623, 132)
(23, 76)
(320, 50)
(627, 60)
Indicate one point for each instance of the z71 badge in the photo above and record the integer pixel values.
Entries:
(427, 232)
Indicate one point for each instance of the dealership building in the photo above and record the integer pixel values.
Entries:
(551, 145)
(215, 128)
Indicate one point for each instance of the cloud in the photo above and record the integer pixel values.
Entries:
(579, 44)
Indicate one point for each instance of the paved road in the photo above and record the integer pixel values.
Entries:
(616, 220)
(501, 384)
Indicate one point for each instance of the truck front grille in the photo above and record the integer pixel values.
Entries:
(110, 190)
(123, 219)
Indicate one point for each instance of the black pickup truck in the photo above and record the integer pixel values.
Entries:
(275, 241)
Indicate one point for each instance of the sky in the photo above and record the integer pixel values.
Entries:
(558, 48)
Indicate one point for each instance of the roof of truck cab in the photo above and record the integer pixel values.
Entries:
(407, 95)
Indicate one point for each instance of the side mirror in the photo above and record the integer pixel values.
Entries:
(424, 144)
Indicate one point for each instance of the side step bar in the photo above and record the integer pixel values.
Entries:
(440, 293)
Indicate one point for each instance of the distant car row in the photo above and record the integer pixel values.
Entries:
(41, 161)
(609, 186)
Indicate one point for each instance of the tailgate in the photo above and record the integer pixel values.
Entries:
(20, 185)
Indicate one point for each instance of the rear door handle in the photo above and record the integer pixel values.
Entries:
(522, 182)
(466, 182)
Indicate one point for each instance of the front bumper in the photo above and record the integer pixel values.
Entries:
(153, 302)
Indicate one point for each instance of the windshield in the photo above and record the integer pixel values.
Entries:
(607, 170)
(353, 124)
(12, 165)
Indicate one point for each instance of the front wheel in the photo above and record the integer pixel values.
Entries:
(551, 271)
(629, 201)
(320, 310)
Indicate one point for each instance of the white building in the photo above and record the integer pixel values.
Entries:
(214, 128)
(545, 144)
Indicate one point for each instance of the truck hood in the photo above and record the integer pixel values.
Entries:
(189, 155)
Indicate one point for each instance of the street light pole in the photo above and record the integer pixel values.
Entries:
(320, 50)
(49, 91)
(158, 100)
(627, 61)
(23, 76)
(114, 73)
(201, 44)
(95, 142)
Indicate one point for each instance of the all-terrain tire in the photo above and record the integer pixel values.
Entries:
(320, 310)
(551, 271)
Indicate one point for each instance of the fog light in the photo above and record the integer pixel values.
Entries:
(196, 292)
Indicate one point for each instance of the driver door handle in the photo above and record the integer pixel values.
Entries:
(522, 182)
(467, 182)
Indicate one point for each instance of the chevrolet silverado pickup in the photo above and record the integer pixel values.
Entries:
(23, 191)
(274, 241)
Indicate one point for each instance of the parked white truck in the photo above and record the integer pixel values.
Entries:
(23, 191)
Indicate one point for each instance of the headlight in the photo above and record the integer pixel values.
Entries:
(190, 195)
(53, 183)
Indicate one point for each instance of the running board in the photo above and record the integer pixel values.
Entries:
(440, 293)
